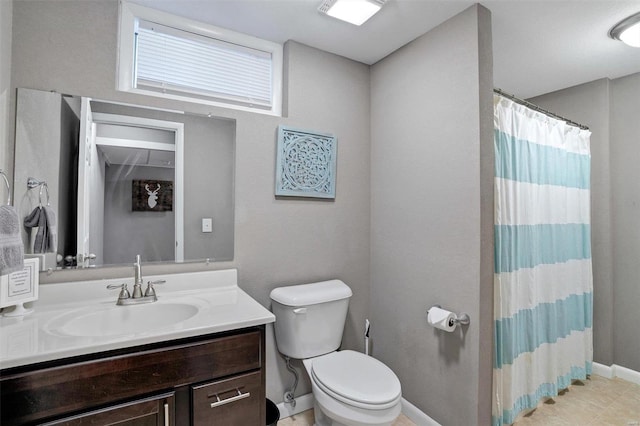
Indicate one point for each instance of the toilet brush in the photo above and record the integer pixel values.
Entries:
(367, 327)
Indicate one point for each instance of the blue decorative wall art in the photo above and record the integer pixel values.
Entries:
(305, 163)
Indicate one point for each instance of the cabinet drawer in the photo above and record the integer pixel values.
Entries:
(234, 401)
(80, 386)
(155, 411)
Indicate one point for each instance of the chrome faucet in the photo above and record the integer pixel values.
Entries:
(137, 274)
(125, 298)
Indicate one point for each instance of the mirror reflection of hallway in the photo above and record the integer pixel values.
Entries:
(133, 154)
(113, 152)
(149, 153)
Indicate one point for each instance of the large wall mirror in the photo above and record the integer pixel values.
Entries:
(121, 180)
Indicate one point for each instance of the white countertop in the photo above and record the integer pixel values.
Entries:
(213, 300)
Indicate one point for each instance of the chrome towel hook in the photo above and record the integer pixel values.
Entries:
(34, 183)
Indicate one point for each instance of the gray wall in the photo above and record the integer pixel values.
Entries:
(6, 148)
(432, 216)
(37, 159)
(70, 46)
(610, 109)
(47, 133)
(209, 157)
(625, 209)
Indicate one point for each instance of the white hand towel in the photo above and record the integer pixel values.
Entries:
(11, 247)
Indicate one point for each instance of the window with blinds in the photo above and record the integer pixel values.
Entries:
(170, 56)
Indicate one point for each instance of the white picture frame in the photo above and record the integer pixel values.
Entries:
(21, 286)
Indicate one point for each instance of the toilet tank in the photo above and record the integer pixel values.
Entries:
(310, 317)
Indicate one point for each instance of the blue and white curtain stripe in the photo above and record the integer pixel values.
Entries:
(543, 285)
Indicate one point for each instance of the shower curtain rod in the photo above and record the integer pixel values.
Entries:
(539, 109)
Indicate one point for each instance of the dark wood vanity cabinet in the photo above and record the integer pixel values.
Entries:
(210, 380)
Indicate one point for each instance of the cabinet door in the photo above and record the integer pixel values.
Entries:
(155, 411)
(234, 401)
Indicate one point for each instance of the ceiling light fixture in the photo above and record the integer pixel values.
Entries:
(356, 12)
(627, 31)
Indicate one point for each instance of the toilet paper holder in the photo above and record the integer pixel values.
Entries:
(460, 319)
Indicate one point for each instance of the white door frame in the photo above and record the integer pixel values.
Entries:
(85, 144)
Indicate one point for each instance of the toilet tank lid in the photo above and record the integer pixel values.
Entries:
(311, 294)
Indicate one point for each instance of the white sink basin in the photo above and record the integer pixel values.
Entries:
(121, 320)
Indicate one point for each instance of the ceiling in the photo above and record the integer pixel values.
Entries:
(538, 46)
(128, 156)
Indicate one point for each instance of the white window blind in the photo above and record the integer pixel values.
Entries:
(175, 61)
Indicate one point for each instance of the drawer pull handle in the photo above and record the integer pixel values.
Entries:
(238, 397)
(166, 414)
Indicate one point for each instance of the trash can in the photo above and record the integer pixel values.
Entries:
(273, 414)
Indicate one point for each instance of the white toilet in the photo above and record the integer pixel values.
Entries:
(349, 388)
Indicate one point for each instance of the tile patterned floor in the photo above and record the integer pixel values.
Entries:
(595, 402)
(306, 419)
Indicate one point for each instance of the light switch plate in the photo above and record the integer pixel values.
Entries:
(207, 224)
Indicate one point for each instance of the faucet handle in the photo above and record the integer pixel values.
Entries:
(150, 291)
(124, 292)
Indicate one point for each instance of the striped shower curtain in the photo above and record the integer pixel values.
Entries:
(543, 284)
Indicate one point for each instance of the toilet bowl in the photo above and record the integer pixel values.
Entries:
(349, 388)
(353, 389)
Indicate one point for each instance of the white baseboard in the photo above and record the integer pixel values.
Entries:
(305, 402)
(627, 374)
(415, 415)
(602, 370)
(616, 371)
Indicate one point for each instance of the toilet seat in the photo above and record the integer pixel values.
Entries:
(357, 380)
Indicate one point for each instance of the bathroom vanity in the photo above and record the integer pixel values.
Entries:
(194, 357)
